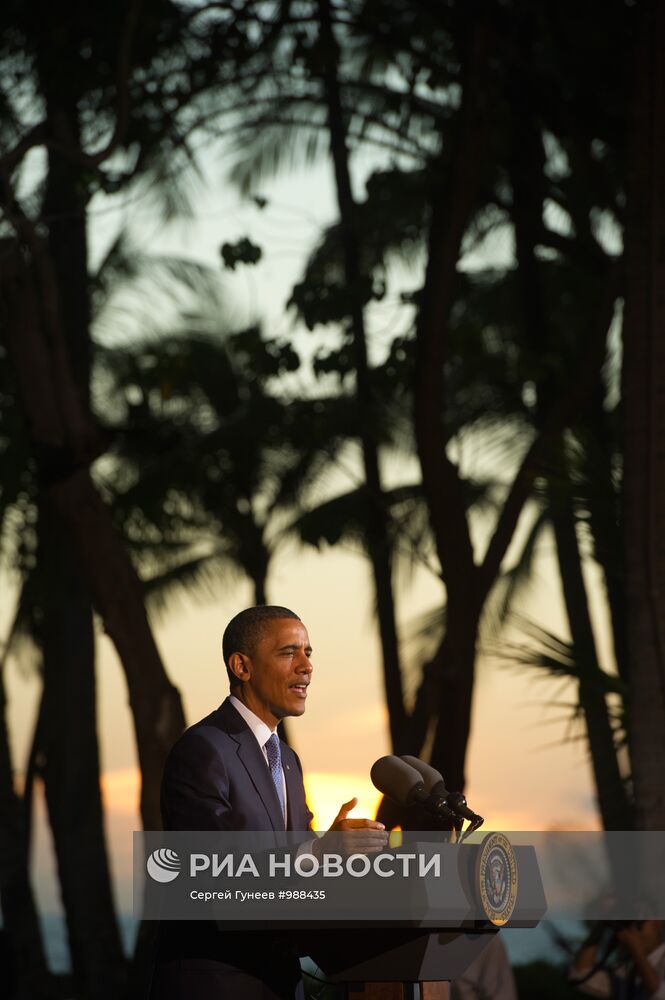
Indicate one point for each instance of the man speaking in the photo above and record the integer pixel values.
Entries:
(231, 772)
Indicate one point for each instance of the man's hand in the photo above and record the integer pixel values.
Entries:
(341, 822)
(352, 836)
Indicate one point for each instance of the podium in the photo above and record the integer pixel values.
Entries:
(379, 925)
(412, 962)
(393, 963)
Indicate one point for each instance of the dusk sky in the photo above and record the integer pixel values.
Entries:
(521, 773)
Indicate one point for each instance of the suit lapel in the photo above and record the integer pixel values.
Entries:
(251, 756)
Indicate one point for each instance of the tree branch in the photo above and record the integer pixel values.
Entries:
(122, 83)
(34, 137)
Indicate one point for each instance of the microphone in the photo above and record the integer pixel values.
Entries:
(432, 779)
(436, 786)
(398, 780)
(403, 784)
(457, 803)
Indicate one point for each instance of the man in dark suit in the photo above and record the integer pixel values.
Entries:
(231, 772)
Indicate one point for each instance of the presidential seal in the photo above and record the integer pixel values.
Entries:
(497, 878)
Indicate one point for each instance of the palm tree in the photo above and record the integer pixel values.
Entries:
(376, 517)
(84, 104)
(306, 93)
(455, 206)
(644, 369)
(236, 454)
(56, 613)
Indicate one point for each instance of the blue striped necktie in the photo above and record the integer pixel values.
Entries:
(275, 765)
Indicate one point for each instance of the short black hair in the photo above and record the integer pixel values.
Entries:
(246, 629)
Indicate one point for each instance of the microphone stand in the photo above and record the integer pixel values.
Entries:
(472, 827)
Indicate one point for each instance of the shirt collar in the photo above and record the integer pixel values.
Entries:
(262, 732)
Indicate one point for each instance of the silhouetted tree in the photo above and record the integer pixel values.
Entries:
(643, 381)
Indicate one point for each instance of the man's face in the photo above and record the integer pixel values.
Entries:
(276, 675)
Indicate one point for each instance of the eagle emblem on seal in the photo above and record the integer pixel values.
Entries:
(497, 878)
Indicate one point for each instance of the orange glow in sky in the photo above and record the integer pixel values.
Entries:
(326, 792)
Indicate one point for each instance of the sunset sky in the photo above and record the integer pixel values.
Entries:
(521, 773)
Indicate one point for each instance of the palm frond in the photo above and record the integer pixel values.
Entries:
(271, 146)
(552, 656)
(170, 179)
(200, 576)
(127, 275)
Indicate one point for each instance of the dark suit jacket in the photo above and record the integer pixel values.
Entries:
(216, 778)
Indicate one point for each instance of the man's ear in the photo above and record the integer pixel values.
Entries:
(239, 666)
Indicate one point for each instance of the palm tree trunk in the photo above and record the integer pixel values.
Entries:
(528, 182)
(455, 701)
(610, 789)
(453, 201)
(257, 567)
(605, 525)
(423, 710)
(62, 439)
(378, 542)
(413, 738)
(644, 402)
(19, 911)
(71, 769)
